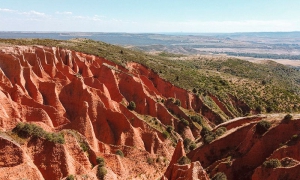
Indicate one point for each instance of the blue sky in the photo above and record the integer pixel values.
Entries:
(199, 16)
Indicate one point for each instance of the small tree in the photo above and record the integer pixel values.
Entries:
(262, 126)
(131, 105)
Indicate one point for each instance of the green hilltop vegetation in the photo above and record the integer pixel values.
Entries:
(266, 87)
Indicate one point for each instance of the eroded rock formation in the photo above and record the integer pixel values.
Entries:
(85, 99)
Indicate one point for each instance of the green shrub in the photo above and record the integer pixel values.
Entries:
(258, 109)
(101, 172)
(192, 146)
(184, 160)
(209, 138)
(184, 122)
(169, 129)
(165, 134)
(186, 143)
(219, 176)
(197, 119)
(120, 153)
(295, 137)
(195, 90)
(150, 160)
(131, 105)
(262, 126)
(220, 131)
(204, 131)
(70, 177)
(272, 163)
(288, 117)
(84, 146)
(100, 161)
(26, 130)
(177, 102)
(269, 109)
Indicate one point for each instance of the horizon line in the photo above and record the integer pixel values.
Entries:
(119, 32)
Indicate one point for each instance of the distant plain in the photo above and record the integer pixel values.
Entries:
(282, 47)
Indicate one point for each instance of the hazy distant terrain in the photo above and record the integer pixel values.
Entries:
(273, 45)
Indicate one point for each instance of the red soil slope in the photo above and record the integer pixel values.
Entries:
(62, 90)
(85, 98)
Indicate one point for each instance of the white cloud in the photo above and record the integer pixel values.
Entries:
(7, 10)
(34, 13)
(64, 13)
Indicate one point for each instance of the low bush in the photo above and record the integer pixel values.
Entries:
(288, 117)
(195, 90)
(101, 172)
(184, 160)
(169, 129)
(192, 146)
(197, 119)
(184, 122)
(70, 177)
(26, 130)
(186, 143)
(262, 126)
(131, 105)
(165, 134)
(209, 138)
(100, 161)
(120, 153)
(272, 163)
(219, 176)
(84, 146)
(204, 131)
(177, 102)
(150, 160)
(220, 131)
